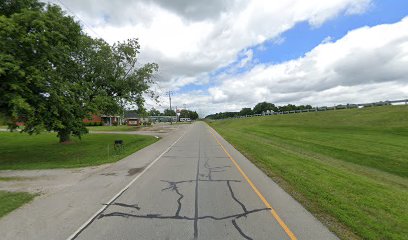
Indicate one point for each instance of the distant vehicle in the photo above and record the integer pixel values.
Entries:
(185, 120)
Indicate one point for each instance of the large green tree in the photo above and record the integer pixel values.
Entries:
(9, 7)
(168, 112)
(263, 107)
(154, 112)
(53, 75)
(184, 113)
(245, 111)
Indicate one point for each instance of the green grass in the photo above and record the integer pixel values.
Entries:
(348, 167)
(122, 128)
(10, 201)
(22, 151)
(9, 179)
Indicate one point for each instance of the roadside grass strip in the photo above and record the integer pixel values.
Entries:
(122, 128)
(10, 201)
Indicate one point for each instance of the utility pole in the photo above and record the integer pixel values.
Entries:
(176, 114)
(171, 117)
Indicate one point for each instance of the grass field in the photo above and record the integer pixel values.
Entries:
(122, 128)
(13, 200)
(348, 167)
(7, 179)
(22, 151)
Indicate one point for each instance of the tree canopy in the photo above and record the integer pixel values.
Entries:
(259, 108)
(245, 111)
(168, 112)
(52, 75)
(154, 112)
(9, 7)
(222, 115)
(184, 113)
(263, 107)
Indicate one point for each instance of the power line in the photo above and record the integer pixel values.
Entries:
(80, 19)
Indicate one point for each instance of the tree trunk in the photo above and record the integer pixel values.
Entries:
(64, 136)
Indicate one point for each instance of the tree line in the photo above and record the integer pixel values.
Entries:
(184, 113)
(259, 108)
(53, 75)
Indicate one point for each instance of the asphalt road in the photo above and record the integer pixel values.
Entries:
(200, 187)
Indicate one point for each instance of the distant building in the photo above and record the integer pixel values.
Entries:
(94, 119)
(132, 119)
(185, 120)
(163, 118)
(106, 120)
(109, 120)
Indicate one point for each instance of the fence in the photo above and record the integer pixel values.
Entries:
(318, 109)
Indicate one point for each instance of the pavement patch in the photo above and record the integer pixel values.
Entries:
(109, 174)
(133, 171)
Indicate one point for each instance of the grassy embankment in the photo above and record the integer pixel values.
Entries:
(348, 167)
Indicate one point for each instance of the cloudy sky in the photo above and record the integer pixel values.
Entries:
(222, 55)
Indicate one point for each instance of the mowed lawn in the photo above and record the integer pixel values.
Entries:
(10, 201)
(348, 167)
(122, 128)
(22, 151)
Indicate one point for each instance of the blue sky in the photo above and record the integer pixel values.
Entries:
(302, 38)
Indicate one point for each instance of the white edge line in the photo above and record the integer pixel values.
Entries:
(74, 235)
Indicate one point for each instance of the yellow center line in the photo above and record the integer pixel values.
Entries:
(272, 211)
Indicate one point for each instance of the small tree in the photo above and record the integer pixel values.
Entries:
(245, 111)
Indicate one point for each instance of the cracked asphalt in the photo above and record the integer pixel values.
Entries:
(195, 190)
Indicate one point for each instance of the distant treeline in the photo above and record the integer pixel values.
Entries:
(184, 113)
(259, 108)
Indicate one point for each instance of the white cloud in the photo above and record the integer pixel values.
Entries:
(190, 38)
(327, 39)
(368, 64)
(248, 55)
